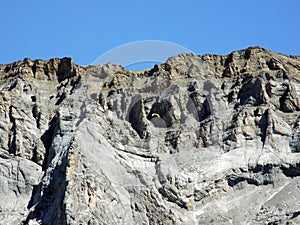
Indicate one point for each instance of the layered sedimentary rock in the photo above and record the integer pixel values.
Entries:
(210, 139)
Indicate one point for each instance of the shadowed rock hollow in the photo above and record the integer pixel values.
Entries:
(210, 139)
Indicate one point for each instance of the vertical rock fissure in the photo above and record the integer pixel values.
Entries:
(13, 133)
(47, 138)
(47, 201)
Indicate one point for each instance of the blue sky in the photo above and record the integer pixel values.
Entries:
(84, 30)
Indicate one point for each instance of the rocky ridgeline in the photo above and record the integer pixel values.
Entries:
(197, 140)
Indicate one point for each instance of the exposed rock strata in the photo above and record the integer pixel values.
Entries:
(197, 140)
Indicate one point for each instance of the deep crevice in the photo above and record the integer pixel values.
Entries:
(136, 119)
(263, 125)
(12, 133)
(47, 139)
(291, 170)
(202, 108)
(60, 97)
(42, 198)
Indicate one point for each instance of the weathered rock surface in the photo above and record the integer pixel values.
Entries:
(197, 140)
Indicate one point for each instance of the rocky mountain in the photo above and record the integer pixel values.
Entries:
(209, 139)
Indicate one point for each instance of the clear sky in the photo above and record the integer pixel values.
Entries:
(84, 30)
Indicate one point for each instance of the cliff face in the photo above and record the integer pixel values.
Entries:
(197, 140)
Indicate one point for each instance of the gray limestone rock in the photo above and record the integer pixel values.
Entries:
(197, 140)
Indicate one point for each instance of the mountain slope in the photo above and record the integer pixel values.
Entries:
(197, 140)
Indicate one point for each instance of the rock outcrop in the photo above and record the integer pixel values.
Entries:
(210, 139)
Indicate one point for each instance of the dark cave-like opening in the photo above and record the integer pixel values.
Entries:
(161, 114)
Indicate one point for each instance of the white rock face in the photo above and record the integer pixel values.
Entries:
(198, 140)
